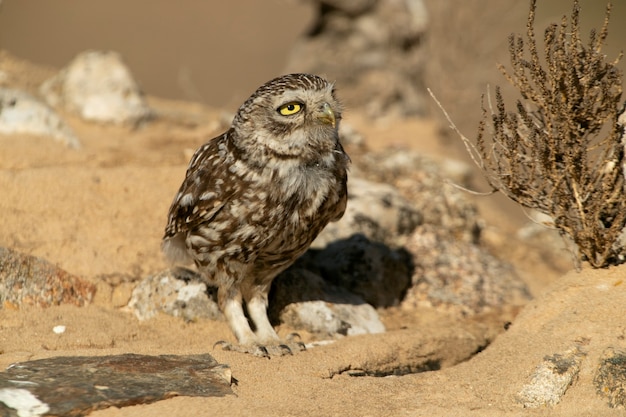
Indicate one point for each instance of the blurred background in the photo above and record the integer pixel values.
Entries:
(217, 53)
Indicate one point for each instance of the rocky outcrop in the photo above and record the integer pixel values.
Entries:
(373, 49)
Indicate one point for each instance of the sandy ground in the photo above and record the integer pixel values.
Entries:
(99, 212)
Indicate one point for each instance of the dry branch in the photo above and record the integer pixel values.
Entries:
(561, 151)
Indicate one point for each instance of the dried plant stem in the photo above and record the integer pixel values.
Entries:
(561, 151)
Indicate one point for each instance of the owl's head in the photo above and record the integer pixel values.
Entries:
(295, 115)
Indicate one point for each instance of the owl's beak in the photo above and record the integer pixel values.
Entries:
(327, 115)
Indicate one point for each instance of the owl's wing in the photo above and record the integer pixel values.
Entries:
(342, 204)
(342, 175)
(203, 193)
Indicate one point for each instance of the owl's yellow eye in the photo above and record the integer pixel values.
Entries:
(290, 108)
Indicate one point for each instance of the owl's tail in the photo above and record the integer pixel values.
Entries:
(175, 250)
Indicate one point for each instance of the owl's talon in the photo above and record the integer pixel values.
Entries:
(224, 344)
(255, 350)
(295, 340)
(261, 352)
(291, 337)
(286, 350)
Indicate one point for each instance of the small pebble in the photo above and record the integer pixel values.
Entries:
(58, 329)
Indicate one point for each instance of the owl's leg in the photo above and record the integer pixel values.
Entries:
(264, 342)
(256, 303)
(230, 303)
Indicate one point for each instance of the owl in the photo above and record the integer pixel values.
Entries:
(254, 198)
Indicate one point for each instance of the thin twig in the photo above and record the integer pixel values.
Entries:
(467, 190)
(471, 149)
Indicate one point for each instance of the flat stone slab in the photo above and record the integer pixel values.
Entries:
(78, 385)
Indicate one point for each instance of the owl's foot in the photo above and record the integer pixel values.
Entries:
(263, 351)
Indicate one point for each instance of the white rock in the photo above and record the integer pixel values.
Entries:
(98, 86)
(551, 379)
(177, 293)
(58, 329)
(334, 318)
(21, 113)
(25, 403)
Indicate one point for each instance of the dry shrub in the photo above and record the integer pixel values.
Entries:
(561, 151)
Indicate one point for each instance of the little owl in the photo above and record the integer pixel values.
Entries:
(255, 197)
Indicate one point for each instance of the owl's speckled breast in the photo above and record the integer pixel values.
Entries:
(308, 198)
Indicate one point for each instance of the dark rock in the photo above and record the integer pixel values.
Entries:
(452, 271)
(375, 210)
(371, 270)
(458, 276)
(78, 385)
(610, 379)
(30, 280)
(372, 49)
(424, 183)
